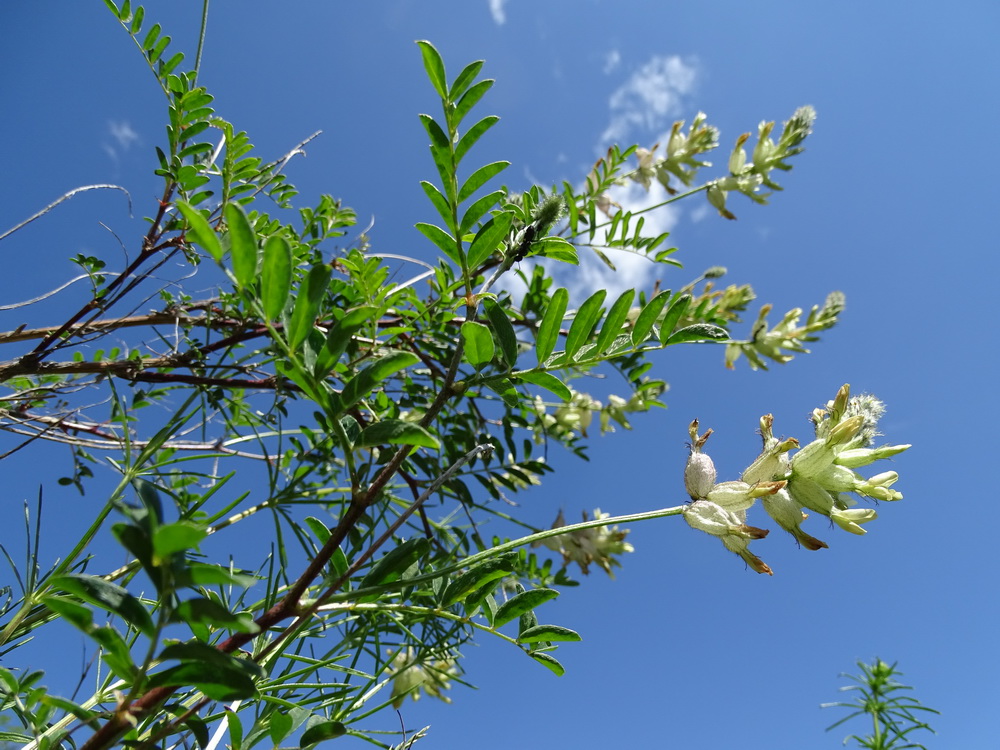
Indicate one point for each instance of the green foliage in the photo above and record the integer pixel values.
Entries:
(374, 421)
(886, 705)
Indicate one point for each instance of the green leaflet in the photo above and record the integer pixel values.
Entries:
(548, 633)
(479, 348)
(465, 583)
(108, 596)
(548, 329)
(502, 330)
(395, 432)
(200, 230)
(647, 317)
(549, 662)
(276, 276)
(549, 382)
(584, 321)
(394, 564)
(677, 309)
(368, 379)
(614, 321)
(488, 239)
(242, 245)
(307, 303)
(434, 66)
(518, 604)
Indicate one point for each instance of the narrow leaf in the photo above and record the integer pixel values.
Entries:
(479, 178)
(307, 302)
(698, 332)
(445, 242)
(276, 276)
(204, 652)
(548, 329)
(434, 66)
(177, 537)
(395, 432)
(549, 662)
(549, 382)
(201, 610)
(518, 604)
(465, 583)
(440, 203)
(108, 596)
(242, 245)
(214, 681)
(506, 390)
(339, 336)
(368, 379)
(488, 239)
(502, 330)
(324, 730)
(647, 317)
(464, 79)
(474, 133)
(616, 318)
(548, 633)
(674, 313)
(470, 99)
(200, 230)
(394, 564)
(556, 248)
(479, 207)
(479, 347)
(584, 321)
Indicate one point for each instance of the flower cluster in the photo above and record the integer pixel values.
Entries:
(412, 676)
(819, 478)
(597, 545)
(576, 414)
(746, 175)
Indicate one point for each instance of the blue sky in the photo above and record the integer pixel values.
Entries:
(893, 203)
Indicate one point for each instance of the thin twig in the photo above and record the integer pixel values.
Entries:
(66, 197)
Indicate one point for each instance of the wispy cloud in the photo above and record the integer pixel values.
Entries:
(123, 137)
(649, 98)
(612, 60)
(497, 11)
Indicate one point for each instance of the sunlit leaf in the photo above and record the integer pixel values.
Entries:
(549, 662)
(108, 596)
(395, 432)
(479, 348)
(548, 633)
(200, 231)
(488, 239)
(647, 317)
(324, 730)
(549, 382)
(584, 321)
(242, 245)
(434, 66)
(502, 330)
(518, 604)
(276, 276)
(307, 302)
(548, 329)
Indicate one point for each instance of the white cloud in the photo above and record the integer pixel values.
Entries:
(123, 135)
(632, 270)
(497, 11)
(612, 60)
(649, 98)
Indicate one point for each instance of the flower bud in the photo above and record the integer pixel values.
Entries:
(789, 516)
(699, 475)
(850, 520)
